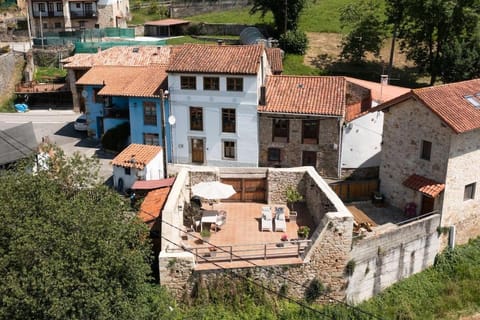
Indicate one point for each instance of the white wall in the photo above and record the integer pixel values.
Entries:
(154, 169)
(128, 180)
(362, 141)
(246, 135)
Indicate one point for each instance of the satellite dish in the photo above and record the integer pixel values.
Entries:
(84, 93)
(172, 120)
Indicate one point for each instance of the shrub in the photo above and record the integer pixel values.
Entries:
(350, 267)
(315, 290)
(294, 42)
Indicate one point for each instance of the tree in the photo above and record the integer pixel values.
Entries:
(285, 12)
(460, 60)
(67, 251)
(367, 29)
(428, 28)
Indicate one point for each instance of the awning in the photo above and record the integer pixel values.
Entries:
(426, 186)
(153, 184)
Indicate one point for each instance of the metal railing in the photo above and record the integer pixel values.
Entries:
(417, 218)
(265, 251)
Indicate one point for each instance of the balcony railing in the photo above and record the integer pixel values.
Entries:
(83, 14)
(112, 112)
(49, 14)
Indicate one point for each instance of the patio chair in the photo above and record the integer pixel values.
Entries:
(280, 223)
(266, 221)
(221, 220)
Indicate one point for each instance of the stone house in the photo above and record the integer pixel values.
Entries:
(137, 162)
(301, 120)
(430, 153)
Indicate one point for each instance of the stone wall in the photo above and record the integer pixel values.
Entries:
(405, 126)
(327, 149)
(391, 256)
(176, 271)
(190, 8)
(7, 69)
(462, 171)
(356, 93)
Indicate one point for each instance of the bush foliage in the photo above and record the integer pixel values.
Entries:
(295, 42)
(116, 139)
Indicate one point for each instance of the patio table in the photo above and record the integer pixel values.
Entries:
(209, 216)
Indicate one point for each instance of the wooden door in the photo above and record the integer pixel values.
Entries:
(197, 150)
(427, 204)
(248, 190)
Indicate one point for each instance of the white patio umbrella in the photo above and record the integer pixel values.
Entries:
(213, 190)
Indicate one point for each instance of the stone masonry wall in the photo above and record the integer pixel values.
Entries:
(7, 69)
(463, 170)
(405, 126)
(190, 8)
(279, 180)
(392, 256)
(327, 148)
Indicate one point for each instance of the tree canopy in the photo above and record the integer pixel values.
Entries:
(286, 13)
(68, 251)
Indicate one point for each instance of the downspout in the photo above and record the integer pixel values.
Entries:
(162, 106)
(339, 150)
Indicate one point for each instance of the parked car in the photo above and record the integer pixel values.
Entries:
(81, 123)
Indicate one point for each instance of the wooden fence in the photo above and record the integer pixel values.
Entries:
(360, 190)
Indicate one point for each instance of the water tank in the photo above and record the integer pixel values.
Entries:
(252, 35)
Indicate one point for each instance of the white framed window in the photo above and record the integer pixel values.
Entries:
(469, 192)
(229, 150)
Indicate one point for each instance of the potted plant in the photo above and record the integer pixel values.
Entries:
(283, 239)
(213, 251)
(205, 234)
(292, 196)
(303, 232)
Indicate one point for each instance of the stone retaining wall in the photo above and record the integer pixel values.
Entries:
(392, 256)
(7, 69)
(190, 8)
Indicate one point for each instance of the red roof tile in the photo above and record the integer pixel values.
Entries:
(121, 56)
(380, 93)
(152, 184)
(152, 204)
(305, 95)
(426, 186)
(166, 22)
(136, 156)
(227, 59)
(275, 58)
(126, 81)
(447, 102)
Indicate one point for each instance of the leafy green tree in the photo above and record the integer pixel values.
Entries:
(366, 27)
(428, 28)
(460, 60)
(285, 12)
(67, 251)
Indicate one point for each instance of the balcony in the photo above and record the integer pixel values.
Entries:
(83, 14)
(49, 14)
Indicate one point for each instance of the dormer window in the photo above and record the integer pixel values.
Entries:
(474, 100)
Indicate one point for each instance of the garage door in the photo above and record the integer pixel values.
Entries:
(252, 190)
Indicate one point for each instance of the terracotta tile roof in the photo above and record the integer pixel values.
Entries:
(152, 184)
(447, 102)
(275, 58)
(227, 59)
(426, 186)
(121, 56)
(380, 93)
(166, 22)
(152, 204)
(141, 153)
(305, 95)
(127, 81)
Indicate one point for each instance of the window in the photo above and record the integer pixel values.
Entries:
(196, 118)
(474, 100)
(96, 97)
(149, 113)
(228, 120)
(78, 5)
(59, 7)
(151, 139)
(469, 192)
(234, 84)
(211, 83)
(81, 24)
(41, 7)
(58, 25)
(310, 131)
(188, 83)
(50, 6)
(280, 130)
(309, 158)
(127, 171)
(45, 25)
(426, 150)
(273, 154)
(229, 150)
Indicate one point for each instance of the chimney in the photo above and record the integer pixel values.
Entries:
(220, 42)
(263, 96)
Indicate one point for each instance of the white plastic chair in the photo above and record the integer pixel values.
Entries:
(280, 223)
(266, 220)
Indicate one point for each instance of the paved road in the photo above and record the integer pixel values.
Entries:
(57, 126)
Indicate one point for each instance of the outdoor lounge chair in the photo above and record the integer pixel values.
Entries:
(280, 223)
(266, 219)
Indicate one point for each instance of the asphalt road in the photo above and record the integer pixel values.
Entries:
(57, 127)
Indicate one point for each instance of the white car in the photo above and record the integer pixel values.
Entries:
(81, 123)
